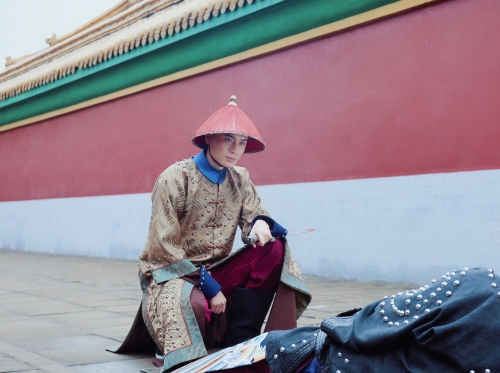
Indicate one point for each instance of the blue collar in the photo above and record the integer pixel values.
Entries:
(214, 175)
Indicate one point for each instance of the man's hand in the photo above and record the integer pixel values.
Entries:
(261, 230)
(218, 303)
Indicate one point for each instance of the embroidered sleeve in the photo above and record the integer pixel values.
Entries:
(207, 284)
(252, 206)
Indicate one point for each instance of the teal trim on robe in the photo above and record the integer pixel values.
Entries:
(176, 270)
(197, 347)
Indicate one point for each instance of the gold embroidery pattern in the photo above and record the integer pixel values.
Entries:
(293, 269)
(164, 310)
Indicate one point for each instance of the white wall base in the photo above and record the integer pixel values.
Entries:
(408, 228)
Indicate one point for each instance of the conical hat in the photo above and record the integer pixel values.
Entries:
(230, 119)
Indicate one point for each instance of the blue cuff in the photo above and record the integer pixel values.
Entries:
(207, 284)
(277, 230)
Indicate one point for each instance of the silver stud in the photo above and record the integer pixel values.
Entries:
(444, 283)
(415, 317)
(494, 285)
(427, 310)
(338, 371)
(491, 275)
(462, 273)
(448, 293)
(385, 297)
(315, 334)
(405, 322)
(346, 361)
(407, 313)
(339, 354)
(452, 274)
(382, 312)
(487, 371)
(439, 302)
(401, 313)
(275, 357)
(419, 297)
(438, 290)
(400, 293)
(293, 345)
(443, 277)
(304, 341)
(407, 302)
(466, 268)
(396, 323)
(386, 318)
(382, 304)
(491, 270)
(456, 282)
(282, 349)
(472, 371)
(499, 295)
(433, 281)
(433, 295)
(418, 306)
(425, 301)
(389, 323)
(448, 278)
(426, 287)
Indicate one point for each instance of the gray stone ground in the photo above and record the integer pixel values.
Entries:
(60, 313)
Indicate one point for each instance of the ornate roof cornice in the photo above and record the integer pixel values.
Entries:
(128, 25)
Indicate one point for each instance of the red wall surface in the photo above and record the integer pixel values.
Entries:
(414, 94)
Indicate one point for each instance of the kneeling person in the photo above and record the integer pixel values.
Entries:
(196, 296)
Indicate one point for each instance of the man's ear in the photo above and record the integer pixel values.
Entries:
(207, 139)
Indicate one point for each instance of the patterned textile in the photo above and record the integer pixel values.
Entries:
(194, 222)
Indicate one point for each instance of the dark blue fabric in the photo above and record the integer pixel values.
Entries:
(276, 229)
(207, 284)
(214, 175)
(450, 325)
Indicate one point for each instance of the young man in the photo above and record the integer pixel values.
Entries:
(196, 296)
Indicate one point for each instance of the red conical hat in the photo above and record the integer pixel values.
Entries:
(230, 119)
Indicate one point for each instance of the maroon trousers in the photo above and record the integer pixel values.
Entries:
(253, 268)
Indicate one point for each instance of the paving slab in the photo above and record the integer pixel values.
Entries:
(123, 366)
(62, 317)
(11, 364)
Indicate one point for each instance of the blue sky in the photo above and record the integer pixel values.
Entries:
(25, 24)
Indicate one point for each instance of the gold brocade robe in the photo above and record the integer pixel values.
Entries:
(194, 222)
(194, 219)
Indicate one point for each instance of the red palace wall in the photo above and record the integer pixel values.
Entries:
(414, 94)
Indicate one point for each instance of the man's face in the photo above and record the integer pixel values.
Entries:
(225, 148)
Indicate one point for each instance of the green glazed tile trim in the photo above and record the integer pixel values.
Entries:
(231, 33)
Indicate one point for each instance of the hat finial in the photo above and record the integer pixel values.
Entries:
(233, 101)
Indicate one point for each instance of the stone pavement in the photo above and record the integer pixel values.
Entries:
(60, 313)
